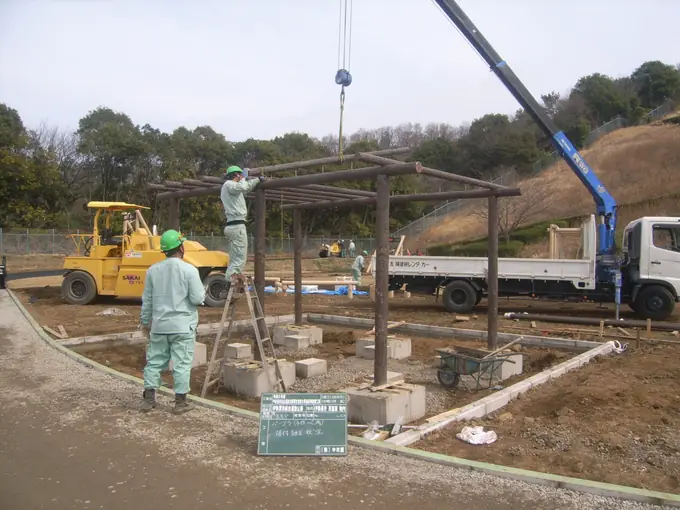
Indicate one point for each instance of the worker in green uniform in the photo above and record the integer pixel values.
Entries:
(233, 194)
(358, 266)
(172, 292)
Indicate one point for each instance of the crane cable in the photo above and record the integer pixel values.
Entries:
(343, 76)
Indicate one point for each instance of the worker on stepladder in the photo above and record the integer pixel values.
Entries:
(233, 194)
(172, 292)
(352, 248)
(358, 267)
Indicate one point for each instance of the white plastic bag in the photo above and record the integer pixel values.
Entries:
(477, 435)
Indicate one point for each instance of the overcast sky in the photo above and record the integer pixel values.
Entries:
(260, 68)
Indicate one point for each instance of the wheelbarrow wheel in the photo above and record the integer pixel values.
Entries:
(448, 378)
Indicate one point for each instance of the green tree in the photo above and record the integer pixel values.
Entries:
(656, 82)
(602, 98)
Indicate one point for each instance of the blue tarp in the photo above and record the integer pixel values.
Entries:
(342, 291)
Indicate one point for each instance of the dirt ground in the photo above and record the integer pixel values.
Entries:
(344, 369)
(615, 420)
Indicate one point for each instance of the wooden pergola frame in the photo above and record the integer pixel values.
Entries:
(313, 191)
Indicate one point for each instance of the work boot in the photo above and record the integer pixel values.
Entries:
(181, 404)
(149, 402)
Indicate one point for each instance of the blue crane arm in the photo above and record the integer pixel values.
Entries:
(604, 202)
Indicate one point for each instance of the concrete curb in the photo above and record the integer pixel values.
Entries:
(471, 334)
(534, 477)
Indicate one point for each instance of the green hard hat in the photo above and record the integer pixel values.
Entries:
(234, 169)
(364, 252)
(170, 240)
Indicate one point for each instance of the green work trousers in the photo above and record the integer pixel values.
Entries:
(356, 274)
(237, 248)
(160, 350)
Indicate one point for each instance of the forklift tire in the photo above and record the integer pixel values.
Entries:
(459, 297)
(216, 290)
(654, 302)
(78, 288)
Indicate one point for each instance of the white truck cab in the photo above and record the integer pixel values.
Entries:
(651, 246)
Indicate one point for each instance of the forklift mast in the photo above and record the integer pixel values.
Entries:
(604, 202)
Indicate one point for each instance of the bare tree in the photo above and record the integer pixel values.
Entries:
(516, 212)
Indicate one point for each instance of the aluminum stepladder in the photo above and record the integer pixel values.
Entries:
(263, 341)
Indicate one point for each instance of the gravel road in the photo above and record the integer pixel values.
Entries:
(73, 438)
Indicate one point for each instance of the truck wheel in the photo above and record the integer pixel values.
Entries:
(480, 295)
(216, 290)
(78, 288)
(459, 297)
(654, 302)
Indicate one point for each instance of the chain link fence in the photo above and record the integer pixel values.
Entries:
(510, 178)
(54, 242)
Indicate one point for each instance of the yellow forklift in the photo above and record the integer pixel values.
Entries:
(115, 264)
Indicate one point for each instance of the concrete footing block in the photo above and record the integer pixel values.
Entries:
(507, 369)
(200, 356)
(311, 367)
(365, 348)
(386, 406)
(314, 334)
(397, 348)
(296, 342)
(238, 351)
(251, 380)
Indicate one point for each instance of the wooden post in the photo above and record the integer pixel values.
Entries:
(260, 233)
(492, 275)
(173, 219)
(297, 264)
(649, 329)
(382, 234)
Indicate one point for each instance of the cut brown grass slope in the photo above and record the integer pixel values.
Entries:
(635, 164)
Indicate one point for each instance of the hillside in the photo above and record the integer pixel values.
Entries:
(636, 164)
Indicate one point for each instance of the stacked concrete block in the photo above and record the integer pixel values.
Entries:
(397, 348)
(403, 400)
(238, 351)
(251, 380)
(314, 334)
(311, 367)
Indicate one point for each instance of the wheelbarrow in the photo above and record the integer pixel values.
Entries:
(476, 363)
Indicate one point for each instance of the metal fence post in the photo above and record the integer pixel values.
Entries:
(52, 241)
(28, 246)
(1, 241)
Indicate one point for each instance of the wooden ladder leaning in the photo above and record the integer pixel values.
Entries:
(262, 338)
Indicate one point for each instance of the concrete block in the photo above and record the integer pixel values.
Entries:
(251, 380)
(407, 400)
(398, 348)
(200, 356)
(507, 369)
(361, 345)
(392, 377)
(296, 342)
(368, 352)
(238, 351)
(437, 361)
(313, 333)
(310, 367)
